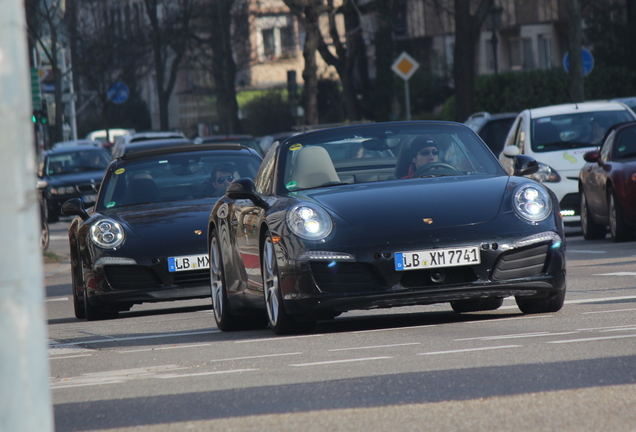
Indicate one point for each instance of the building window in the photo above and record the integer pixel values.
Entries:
(545, 52)
(521, 55)
(277, 37)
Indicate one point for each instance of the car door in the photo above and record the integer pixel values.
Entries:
(595, 183)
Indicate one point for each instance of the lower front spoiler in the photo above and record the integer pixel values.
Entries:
(148, 296)
(321, 303)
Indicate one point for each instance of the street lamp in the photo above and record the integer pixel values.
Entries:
(494, 18)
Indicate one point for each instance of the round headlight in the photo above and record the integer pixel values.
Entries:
(107, 234)
(309, 222)
(532, 203)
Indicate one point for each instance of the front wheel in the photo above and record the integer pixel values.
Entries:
(620, 230)
(591, 230)
(225, 320)
(551, 304)
(280, 321)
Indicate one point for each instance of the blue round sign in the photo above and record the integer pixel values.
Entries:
(118, 92)
(588, 61)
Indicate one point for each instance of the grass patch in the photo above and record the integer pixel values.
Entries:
(51, 257)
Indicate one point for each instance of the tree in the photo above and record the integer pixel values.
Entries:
(308, 14)
(467, 28)
(575, 32)
(169, 35)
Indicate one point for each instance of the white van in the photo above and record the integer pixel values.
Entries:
(557, 137)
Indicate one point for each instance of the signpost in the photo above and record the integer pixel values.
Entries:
(588, 61)
(405, 66)
(36, 91)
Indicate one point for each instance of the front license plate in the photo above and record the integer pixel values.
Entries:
(188, 262)
(89, 198)
(467, 255)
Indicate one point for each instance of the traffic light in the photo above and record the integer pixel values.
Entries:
(44, 114)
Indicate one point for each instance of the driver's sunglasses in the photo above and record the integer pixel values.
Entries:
(226, 178)
(428, 152)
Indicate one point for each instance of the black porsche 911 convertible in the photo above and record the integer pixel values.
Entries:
(382, 215)
(145, 238)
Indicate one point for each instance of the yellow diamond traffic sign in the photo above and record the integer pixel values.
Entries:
(405, 66)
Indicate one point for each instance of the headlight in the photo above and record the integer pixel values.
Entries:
(546, 174)
(107, 234)
(309, 222)
(532, 203)
(63, 190)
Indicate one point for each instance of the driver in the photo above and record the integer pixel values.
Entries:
(425, 151)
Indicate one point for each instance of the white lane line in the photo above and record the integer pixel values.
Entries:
(599, 299)
(375, 346)
(619, 329)
(255, 357)
(276, 339)
(165, 348)
(395, 328)
(586, 251)
(166, 376)
(341, 361)
(606, 328)
(114, 376)
(516, 336)
(70, 356)
(157, 336)
(616, 274)
(470, 350)
(58, 237)
(506, 319)
(55, 299)
(608, 311)
(593, 339)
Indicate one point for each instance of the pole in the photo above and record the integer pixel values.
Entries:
(407, 99)
(25, 396)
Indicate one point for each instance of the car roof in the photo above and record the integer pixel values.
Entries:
(77, 142)
(188, 148)
(73, 149)
(575, 108)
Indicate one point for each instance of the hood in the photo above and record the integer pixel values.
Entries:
(566, 162)
(447, 201)
(76, 178)
(167, 224)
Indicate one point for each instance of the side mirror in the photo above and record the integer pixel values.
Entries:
(511, 151)
(525, 165)
(74, 207)
(593, 156)
(244, 189)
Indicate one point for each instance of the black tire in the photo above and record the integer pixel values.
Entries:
(619, 229)
(591, 230)
(550, 304)
(76, 284)
(477, 305)
(45, 235)
(96, 313)
(225, 320)
(279, 320)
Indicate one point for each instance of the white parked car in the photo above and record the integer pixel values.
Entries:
(557, 137)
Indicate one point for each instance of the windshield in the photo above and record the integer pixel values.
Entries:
(174, 177)
(382, 152)
(575, 130)
(75, 162)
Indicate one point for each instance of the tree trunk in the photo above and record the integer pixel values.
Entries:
(464, 64)
(310, 73)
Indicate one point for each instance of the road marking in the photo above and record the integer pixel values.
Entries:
(113, 377)
(58, 237)
(275, 339)
(600, 299)
(506, 319)
(616, 274)
(586, 251)
(593, 339)
(515, 336)
(69, 356)
(619, 329)
(341, 361)
(395, 328)
(609, 311)
(255, 357)
(57, 299)
(375, 346)
(470, 350)
(165, 376)
(158, 336)
(165, 348)
(605, 328)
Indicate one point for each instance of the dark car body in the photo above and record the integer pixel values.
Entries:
(69, 172)
(607, 185)
(145, 238)
(329, 225)
(246, 140)
(492, 128)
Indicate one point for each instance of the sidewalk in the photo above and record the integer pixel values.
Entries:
(55, 268)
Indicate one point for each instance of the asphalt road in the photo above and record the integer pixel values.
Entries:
(166, 367)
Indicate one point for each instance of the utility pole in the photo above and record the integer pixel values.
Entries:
(25, 395)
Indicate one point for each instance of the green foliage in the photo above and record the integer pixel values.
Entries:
(610, 82)
(330, 103)
(269, 112)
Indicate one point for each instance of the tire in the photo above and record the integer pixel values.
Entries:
(225, 320)
(619, 229)
(279, 320)
(45, 235)
(591, 230)
(95, 313)
(532, 306)
(477, 305)
(78, 305)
